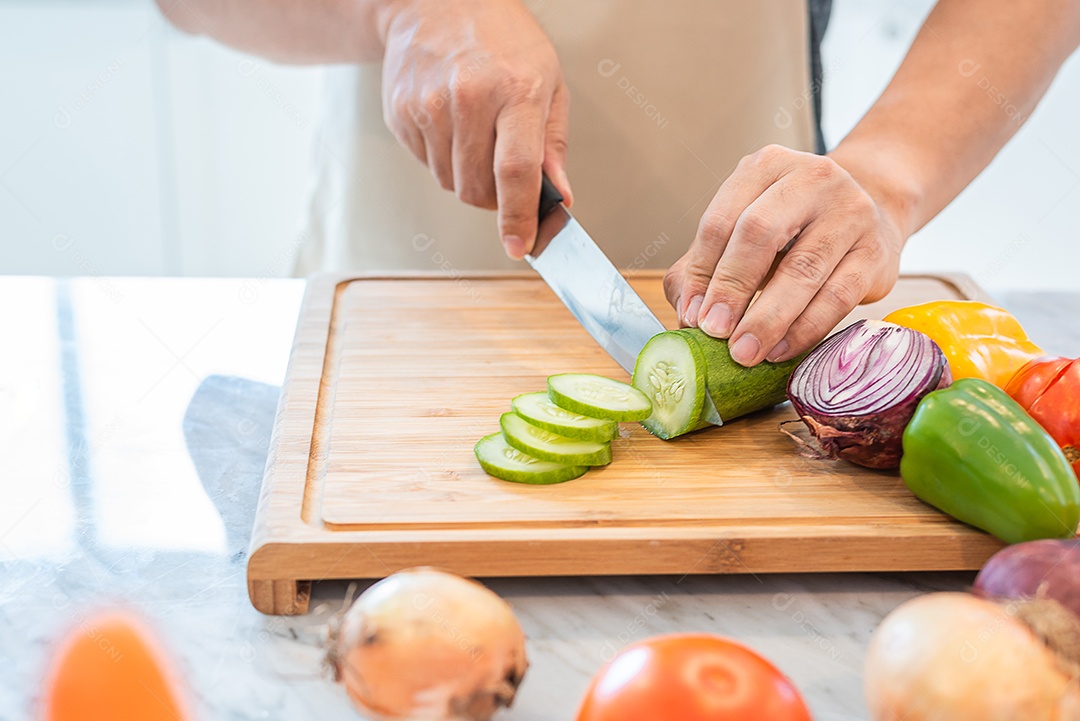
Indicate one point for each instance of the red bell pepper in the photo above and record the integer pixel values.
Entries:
(1049, 389)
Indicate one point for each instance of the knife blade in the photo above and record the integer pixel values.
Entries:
(593, 289)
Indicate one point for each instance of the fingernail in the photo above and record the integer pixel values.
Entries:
(745, 349)
(779, 352)
(717, 321)
(692, 310)
(515, 247)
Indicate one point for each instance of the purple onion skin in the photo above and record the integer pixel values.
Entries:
(871, 440)
(1035, 569)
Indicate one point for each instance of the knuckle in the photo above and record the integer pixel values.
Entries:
(557, 144)
(432, 101)
(727, 286)
(768, 155)
(757, 228)
(823, 170)
(806, 265)
(463, 96)
(845, 293)
(514, 168)
(476, 195)
(715, 227)
(522, 86)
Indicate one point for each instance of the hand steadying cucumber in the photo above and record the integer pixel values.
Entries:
(675, 368)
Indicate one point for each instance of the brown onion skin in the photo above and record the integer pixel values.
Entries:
(871, 441)
(1036, 569)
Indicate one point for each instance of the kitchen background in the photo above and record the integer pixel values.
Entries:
(128, 148)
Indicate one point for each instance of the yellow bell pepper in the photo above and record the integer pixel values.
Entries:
(979, 340)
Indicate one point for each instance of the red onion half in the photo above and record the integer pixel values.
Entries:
(857, 390)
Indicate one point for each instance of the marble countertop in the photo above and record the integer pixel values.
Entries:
(134, 420)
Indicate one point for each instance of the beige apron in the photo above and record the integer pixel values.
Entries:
(666, 97)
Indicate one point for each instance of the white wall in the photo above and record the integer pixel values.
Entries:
(128, 148)
(1017, 225)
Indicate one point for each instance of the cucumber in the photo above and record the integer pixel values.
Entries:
(599, 397)
(538, 409)
(670, 370)
(509, 464)
(548, 446)
(669, 359)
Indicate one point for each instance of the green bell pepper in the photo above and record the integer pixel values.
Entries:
(974, 453)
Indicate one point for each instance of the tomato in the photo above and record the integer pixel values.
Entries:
(690, 677)
(1049, 389)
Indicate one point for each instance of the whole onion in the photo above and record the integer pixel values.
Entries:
(857, 391)
(429, 645)
(955, 657)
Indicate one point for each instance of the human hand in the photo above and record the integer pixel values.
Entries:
(846, 251)
(474, 89)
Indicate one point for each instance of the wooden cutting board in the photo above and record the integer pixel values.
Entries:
(394, 378)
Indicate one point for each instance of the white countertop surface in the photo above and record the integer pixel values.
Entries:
(134, 420)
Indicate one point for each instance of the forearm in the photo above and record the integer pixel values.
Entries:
(292, 31)
(973, 75)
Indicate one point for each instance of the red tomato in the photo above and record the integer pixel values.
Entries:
(1049, 389)
(690, 677)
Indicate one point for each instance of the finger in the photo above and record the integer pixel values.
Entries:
(846, 288)
(765, 227)
(432, 118)
(473, 150)
(751, 177)
(556, 138)
(402, 119)
(519, 148)
(798, 277)
(673, 281)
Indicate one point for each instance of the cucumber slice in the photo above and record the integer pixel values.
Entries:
(599, 397)
(509, 464)
(548, 446)
(538, 409)
(670, 370)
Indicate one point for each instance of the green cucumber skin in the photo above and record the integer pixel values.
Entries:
(736, 390)
(569, 474)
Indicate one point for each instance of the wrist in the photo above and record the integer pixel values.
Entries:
(887, 177)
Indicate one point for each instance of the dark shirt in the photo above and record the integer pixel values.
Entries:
(819, 20)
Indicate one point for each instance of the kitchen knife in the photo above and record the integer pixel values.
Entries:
(593, 290)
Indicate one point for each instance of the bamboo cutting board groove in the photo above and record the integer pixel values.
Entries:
(394, 378)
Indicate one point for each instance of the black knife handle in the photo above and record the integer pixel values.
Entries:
(549, 197)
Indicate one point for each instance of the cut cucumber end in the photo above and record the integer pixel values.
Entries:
(538, 409)
(503, 461)
(547, 446)
(671, 372)
(598, 397)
